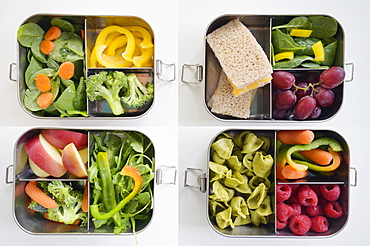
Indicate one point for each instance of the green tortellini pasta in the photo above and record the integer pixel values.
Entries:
(251, 143)
(224, 219)
(223, 147)
(248, 161)
(216, 158)
(215, 207)
(242, 221)
(258, 219)
(239, 207)
(234, 163)
(221, 193)
(257, 196)
(233, 179)
(262, 164)
(265, 208)
(255, 181)
(244, 187)
(218, 171)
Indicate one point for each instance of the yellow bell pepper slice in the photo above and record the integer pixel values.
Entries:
(147, 37)
(116, 43)
(127, 55)
(139, 61)
(93, 62)
(111, 37)
(110, 61)
(300, 33)
(318, 50)
(284, 55)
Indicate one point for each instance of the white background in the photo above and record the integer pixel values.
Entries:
(179, 124)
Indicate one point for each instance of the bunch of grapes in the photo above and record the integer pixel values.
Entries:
(306, 99)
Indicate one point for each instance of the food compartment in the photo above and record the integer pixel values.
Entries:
(57, 55)
(95, 172)
(250, 196)
(280, 53)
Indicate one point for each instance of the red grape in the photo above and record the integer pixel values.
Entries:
(332, 77)
(282, 80)
(302, 89)
(315, 113)
(323, 96)
(304, 108)
(279, 113)
(285, 99)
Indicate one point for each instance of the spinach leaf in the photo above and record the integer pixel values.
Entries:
(30, 100)
(295, 62)
(52, 64)
(323, 27)
(35, 48)
(79, 102)
(62, 24)
(28, 32)
(312, 65)
(68, 47)
(32, 68)
(300, 22)
(307, 42)
(31, 84)
(284, 42)
(330, 49)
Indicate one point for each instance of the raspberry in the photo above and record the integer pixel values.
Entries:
(283, 192)
(281, 225)
(306, 196)
(333, 210)
(319, 224)
(315, 188)
(294, 188)
(316, 210)
(330, 192)
(300, 224)
(283, 211)
(297, 209)
(292, 200)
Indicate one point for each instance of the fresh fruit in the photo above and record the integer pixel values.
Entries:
(324, 97)
(330, 192)
(319, 224)
(282, 80)
(72, 161)
(306, 196)
(281, 224)
(285, 99)
(84, 153)
(297, 209)
(283, 192)
(60, 138)
(36, 170)
(332, 77)
(304, 108)
(315, 113)
(315, 210)
(300, 224)
(333, 210)
(45, 156)
(302, 89)
(283, 211)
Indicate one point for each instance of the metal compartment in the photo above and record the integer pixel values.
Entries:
(341, 177)
(262, 106)
(35, 223)
(90, 27)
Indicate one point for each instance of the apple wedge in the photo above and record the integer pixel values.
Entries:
(36, 170)
(84, 153)
(61, 138)
(45, 156)
(72, 161)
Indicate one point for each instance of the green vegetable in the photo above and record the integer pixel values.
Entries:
(300, 22)
(28, 32)
(37, 207)
(284, 42)
(121, 148)
(138, 95)
(107, 85)
(323, 26)
(69, 202)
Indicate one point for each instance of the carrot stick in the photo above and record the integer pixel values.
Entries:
(47, 46)
(53, 33)
(318, 156)
(291, 173)
(43, 82)
(45, 99)
(85, 199)
(66, 70)
(295, 136)
(39, 196)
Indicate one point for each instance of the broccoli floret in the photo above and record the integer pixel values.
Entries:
(107, 85)
(68, 214)
(37, 207)
(137, 96)
(62, 192)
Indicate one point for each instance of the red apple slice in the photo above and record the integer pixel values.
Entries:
(84, 153)
(72, 161)
(60, 138)
(45, 156)
(36, 170)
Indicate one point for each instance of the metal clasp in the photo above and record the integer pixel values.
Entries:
(163, 170)
(202, 179)
(352, 65)
(11, 69)
(9, 172)
(355, 177)
(161, 70)
(197, 73)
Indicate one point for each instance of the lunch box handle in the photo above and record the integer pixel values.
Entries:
(197, 70)
(352, 66)
(9, 170)
(11, 69)
(355, 177)
(165, 169)
(161, 69)
(202, 179)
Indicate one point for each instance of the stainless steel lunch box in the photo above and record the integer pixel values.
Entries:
(92, 25)
(342, 178)
(262, 105)
(20, 173)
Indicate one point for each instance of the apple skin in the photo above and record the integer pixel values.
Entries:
(72, 161)
(36, 170)
(60, 138)
(45, 156)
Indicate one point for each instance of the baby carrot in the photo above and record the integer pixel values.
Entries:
(85, 201)
(43, 82)
(39, 196)
(318, 156)
(295, 136)
(47, 46)
(45, 99)
(291, 173)
(53, 33)
(66, 70)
